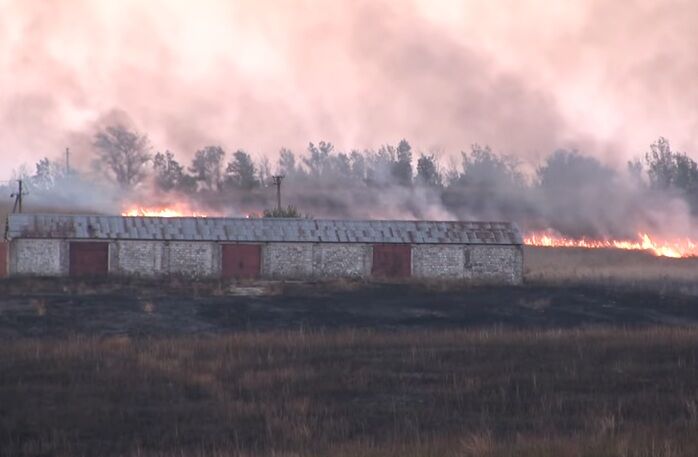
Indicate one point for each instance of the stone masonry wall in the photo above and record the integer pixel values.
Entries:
(287, 260)
(438, 261)
(500, 264)
(194, 258)
(316, 260)
(494, 264)
(38, 257)
(342, 260)
(141, 258)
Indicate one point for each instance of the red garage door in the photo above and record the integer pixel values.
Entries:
(392, 260)
(241, 261)
(89, 258)
(3, 259)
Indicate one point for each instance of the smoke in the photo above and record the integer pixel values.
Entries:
(525, 77)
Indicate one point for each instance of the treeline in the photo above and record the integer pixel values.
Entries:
(569, 191)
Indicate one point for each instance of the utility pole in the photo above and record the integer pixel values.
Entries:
(67, 161)
(277, 182)
(18, 198)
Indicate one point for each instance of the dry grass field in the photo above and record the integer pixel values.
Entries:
(595, 356)
(613, 266)
(596, 392)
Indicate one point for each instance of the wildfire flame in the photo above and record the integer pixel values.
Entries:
(178, 210)
(675, 248)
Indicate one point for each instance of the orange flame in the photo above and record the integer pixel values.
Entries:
(676, 248)
(176, 210)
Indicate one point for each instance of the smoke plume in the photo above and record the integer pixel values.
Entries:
(525, 77)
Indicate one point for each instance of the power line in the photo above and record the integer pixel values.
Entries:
(277, 182)
(18, 196)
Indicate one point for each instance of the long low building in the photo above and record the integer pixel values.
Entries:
(72, 245)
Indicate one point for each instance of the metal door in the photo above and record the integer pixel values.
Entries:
(242, 261)
(392, 260)
(89, 258)
(3, 259)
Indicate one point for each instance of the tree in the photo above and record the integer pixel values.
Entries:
(358, 165)
(402, 169)
(288, 212)
(635, 170)
(570, 172)
(428, 171)
(241, 171)
(668, 169)
(287, 162)
(484, 169)
(170, 175)
(488, 185)
(46, 175)
(264, 171)
(207, 165)
(318, 158)
(379, 165)
(341, 166)
(660, 164)
(124, 153)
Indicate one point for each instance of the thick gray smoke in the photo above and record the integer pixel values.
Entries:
(573, 194)
(526, 77)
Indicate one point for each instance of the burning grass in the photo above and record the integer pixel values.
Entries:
(602, 392)
(674, 248)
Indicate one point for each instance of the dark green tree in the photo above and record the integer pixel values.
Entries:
(287, 162)
(288, 212)
(358, 165)
(241, 171)
(428, 171)
(123, 154)
(318, 160)
(570, 172)
(668, 169)
(169, 174)
(402, 168)
(483, 168)
(207, 166)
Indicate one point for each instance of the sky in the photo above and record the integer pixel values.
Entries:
(524, 76)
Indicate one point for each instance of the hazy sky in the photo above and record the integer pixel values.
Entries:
(525, 76)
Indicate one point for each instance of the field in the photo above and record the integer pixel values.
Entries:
(595, 356)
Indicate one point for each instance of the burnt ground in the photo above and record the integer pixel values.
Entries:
(56, 308)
